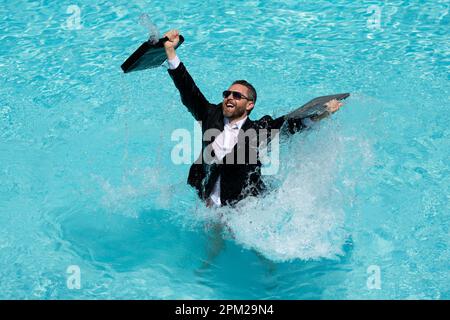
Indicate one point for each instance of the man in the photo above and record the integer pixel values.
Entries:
(224, 180)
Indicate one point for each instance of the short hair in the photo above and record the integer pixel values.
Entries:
(252, 91)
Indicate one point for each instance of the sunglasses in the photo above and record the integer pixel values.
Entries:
(236, 95)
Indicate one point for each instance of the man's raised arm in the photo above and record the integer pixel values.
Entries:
(190, 94)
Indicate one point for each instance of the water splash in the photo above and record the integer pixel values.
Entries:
(303, 217)
(153, 31)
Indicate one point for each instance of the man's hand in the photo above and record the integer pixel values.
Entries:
(332, 107)
(174, 38)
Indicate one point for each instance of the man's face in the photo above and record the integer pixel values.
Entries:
(235, 108)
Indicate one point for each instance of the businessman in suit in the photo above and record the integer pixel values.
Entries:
(229, 167)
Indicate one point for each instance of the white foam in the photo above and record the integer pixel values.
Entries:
(303, 217)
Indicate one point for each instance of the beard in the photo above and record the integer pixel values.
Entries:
(234, 112)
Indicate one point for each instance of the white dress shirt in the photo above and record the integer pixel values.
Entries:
(174, 63)
(222, 145)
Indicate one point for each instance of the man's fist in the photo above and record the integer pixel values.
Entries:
(174, 38)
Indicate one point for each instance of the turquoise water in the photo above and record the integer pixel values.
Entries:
(86, 176)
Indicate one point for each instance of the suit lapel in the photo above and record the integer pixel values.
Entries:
(248, 124)
(218, 119)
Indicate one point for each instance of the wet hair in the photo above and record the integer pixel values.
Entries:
(251, 91)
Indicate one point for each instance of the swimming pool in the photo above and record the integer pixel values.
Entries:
(360, 206)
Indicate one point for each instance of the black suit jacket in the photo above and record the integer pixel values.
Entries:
(239, 177)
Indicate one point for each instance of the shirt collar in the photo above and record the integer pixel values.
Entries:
(236, 125)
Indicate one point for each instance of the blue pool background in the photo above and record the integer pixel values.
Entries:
(86, 176)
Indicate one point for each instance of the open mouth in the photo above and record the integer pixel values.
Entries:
(229, 105)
